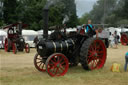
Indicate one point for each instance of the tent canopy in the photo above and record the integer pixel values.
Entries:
(29, 32)
(2, 33)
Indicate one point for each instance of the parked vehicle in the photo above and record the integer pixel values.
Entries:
(15, 40)
(124, 36)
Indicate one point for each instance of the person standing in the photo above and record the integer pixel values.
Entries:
(126, 61)
(111, 40)
(116, 39)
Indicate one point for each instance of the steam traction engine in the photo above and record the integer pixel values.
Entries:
(124, 38)
(14, 40)
(56, 52)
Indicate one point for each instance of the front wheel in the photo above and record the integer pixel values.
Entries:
(93, 54)
(39, 63)
(27, 48)
(57, 65)
(14, 48)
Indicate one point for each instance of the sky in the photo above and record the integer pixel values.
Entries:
(84, 6)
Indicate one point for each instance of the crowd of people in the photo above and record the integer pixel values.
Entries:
(114, 40)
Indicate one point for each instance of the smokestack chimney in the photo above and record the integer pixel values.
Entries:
(20, 27)
(46, 9)
(45, 32)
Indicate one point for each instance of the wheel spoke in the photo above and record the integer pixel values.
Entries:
(60, 60)
(43, 66)
(39, 58)
(98, 47)
(52, 61)
(40, 64)
(100, 52)
(95, 62)
(63, 62)
(54, 58)
(56, 71)
(95, 46)
(61, 68)
(92, 63)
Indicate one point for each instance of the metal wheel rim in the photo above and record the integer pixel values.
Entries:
(96, 55)
(39, 63)
(57, 65)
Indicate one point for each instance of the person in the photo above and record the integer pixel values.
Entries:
(115, 39)
(126, 61)
(35, 40)
(111, 40)
(90, 30)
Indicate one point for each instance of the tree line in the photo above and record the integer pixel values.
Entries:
(30, 12)
(112, 12)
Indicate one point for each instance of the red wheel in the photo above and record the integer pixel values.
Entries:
(57, 65)
(124, 39)
(6, 45)
(96, 55)
(27, 48)
(93, 54)
(39, 64)
(14, 48)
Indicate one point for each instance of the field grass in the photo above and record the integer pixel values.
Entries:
(18, 69)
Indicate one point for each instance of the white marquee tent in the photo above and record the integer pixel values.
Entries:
(29, 36)
(3, 35)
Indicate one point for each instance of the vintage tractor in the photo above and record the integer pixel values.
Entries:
(124, 38)
(56, 52)
(14, 40)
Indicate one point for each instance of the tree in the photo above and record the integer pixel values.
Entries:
(9, 10)
(125, 9)
(70, 11)
(84, 18)
(102, 6)
(31, 12)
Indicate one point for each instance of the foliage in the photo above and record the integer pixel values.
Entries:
(9, 8)
(84, 18)
(31, 12)
(108, 12)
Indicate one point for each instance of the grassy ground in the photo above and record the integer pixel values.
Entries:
(19, 70)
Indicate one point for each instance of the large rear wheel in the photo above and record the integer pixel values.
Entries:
(93, 54)
(57, 65)
(39, 63)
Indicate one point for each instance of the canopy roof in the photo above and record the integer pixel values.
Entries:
(29, 32)
(2, 33)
